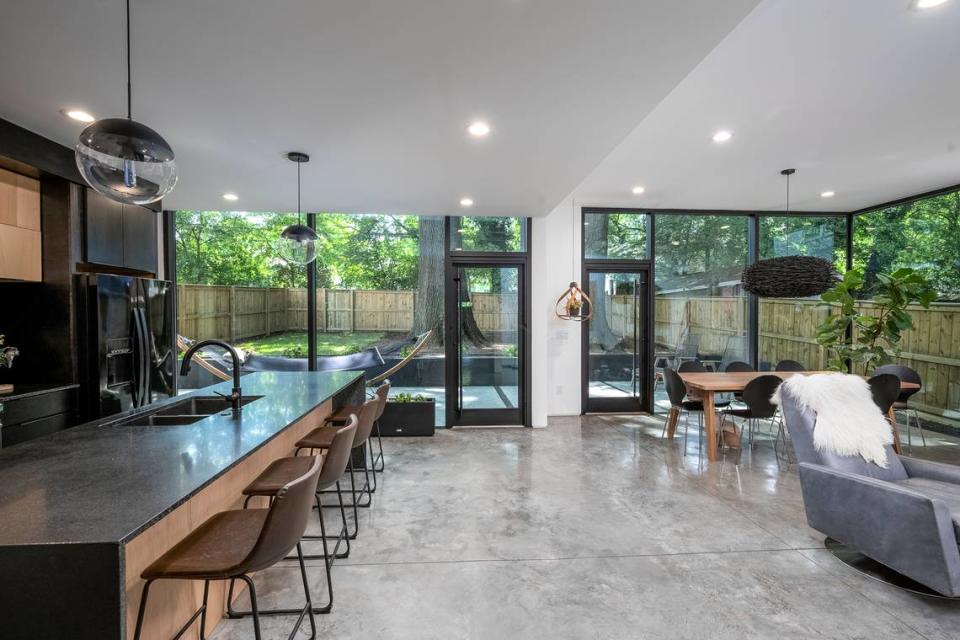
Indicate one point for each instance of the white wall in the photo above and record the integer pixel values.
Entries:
(555, 343)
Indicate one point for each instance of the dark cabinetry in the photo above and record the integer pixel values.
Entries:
(119, 235)
(29, 415)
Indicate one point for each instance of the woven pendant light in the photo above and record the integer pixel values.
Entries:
(790, 276)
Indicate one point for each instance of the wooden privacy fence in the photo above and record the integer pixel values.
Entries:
(788, 330)
(237, 313)
(787, 327)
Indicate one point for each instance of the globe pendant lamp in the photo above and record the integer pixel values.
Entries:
(298, 242)
(123, 159)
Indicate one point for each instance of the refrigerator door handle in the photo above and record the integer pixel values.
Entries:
(145, 398)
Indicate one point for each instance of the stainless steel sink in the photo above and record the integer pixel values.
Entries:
(156, 420)
(203, 406)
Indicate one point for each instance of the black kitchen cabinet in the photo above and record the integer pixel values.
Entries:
(32, 411)
(119, 235)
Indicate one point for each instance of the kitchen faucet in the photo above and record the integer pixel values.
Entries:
(236, 396)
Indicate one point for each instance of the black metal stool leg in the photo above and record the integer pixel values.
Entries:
(142, 610)
(383, 464)
(373, 465)
(203, 614)
(306, 592)
(253, 605)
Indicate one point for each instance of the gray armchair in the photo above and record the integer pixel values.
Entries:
(906, 517)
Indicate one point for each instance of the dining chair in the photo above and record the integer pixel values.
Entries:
(676, 392)
(790, 365)
(692, 366)
(756, 394)
(738, 366)
(905, 374)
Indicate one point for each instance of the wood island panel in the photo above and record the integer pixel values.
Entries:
(172, 602)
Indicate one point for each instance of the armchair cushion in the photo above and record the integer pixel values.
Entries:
(946, 491)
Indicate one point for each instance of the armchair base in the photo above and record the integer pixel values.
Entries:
(876, 571)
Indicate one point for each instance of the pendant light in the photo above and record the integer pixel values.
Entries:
(298, 242)
(123, 159)
(574, 303)
(789, 276)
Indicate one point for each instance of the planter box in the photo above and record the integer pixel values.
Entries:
(408, 418)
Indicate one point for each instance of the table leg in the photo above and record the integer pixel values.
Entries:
(672, 420)
(710, 422)
(892, 417)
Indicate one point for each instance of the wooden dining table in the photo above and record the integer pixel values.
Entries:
(705, 386)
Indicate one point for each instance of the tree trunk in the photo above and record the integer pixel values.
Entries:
(428, 308)
(600, 332)
(471, 331)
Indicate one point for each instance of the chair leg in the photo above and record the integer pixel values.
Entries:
(686, 432)
(373, 464)
(142, 610)
(203, 614)
(253, 605)
(383, 463)
(306, 592)
(916, 417)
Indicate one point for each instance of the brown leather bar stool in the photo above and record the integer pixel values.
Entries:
(381, 394)
(322, 437)
(277, 475)
(232, 544)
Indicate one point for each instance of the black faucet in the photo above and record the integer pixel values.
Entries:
(236, 396)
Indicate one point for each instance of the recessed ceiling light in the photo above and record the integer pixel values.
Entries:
(232, 197)
(637, 190)
(722, 136)
(466, 202)
(78, 115)
(478, 129)
(827, 194)
(928, 4)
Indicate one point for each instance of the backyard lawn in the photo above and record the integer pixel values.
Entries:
(293, 344)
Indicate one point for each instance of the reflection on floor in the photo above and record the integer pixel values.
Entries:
(595, 527)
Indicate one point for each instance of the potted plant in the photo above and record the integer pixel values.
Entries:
(869, 337)
(408, 415)
(574, 305)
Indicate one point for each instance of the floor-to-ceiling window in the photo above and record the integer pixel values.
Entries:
(701, 309)
(923, 235)
(788, 326)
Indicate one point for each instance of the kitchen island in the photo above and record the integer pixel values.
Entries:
(84, 511)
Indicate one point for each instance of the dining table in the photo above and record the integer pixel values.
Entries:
(704, 386)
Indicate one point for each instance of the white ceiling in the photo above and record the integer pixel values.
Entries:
(862, 97)
(379, 92)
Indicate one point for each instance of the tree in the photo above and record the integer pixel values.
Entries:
(428, 309)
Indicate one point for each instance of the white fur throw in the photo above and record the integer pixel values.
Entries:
(848, 421)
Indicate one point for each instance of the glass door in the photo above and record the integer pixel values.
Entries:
(615, 349)
(485, 345)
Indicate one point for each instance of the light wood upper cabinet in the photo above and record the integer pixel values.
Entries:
(20, 241)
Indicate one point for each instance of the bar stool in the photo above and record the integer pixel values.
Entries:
(382, 393)
(232, 544)
(277, 475)
(322, 437)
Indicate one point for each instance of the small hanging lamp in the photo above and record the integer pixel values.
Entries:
(123, 159)
(298, 242)
(574, 304)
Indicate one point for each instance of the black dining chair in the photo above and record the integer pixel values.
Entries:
(790, 365)
(739, 367)
(692, 366)
(885, 389)
(905, 374)
(677, 392)
(756, 395)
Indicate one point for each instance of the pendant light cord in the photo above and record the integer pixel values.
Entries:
(298, 193)
(129, 90)
(788, 193)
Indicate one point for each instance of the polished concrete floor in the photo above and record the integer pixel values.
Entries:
(593, 528)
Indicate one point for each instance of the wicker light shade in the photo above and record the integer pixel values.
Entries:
(790, 277)
(574, 304)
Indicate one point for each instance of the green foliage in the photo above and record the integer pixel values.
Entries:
(404, 398)
(876, 338)
(353, 251)
(293, 344)
(510, 351)
(483, 233)
(922, 235)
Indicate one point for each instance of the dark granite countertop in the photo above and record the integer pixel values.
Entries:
(28, 389)
(104, 483)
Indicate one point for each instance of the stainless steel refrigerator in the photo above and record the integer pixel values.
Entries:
(127, 342)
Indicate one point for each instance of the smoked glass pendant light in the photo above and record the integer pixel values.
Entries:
(298, 242)
(123, 159)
